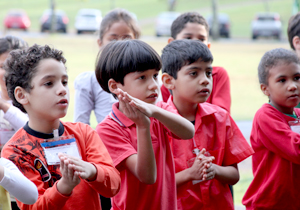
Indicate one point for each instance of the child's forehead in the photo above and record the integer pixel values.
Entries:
(50, 66)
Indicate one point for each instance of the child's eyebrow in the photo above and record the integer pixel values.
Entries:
(54, 76)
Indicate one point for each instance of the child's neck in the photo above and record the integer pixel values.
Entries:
(43, 126)
(186, 110)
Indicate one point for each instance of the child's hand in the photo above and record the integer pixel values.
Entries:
(130, 110)
(70, 178)
(209, 172)
(82, 168)
(146, 108)
(199, 167)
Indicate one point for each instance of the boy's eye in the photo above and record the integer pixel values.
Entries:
(281, 80)
(155, 76)
(65, 82)
(209, 73)
(48, 84)
(142, 77)
(193, 73)
(297, 78)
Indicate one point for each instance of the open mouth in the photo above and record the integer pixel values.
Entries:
(154, 95)
(63, 101)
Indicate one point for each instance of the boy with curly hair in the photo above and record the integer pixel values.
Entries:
(67, 162)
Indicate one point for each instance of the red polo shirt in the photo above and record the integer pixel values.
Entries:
(215, 131)
(119, 136)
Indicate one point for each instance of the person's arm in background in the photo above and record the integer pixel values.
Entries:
(84, 102)
(221, 89)
(15, 117)
(16, 183)
(103, 100)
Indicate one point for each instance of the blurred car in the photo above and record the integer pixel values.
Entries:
(163, 23)
(61, 21)
(266, 24)
(88, 20)
(224, 25)
(17, 19)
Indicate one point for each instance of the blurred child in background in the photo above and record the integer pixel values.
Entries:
(11, 118)
(275, 135)
(192, 25)
(118, 24)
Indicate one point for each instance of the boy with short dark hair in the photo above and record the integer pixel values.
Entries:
(187, 72)
(294, 33)
(275, 135)
(67, 162)
(136, 132)
(192, 25)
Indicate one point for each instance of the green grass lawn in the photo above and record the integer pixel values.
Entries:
(241, 12)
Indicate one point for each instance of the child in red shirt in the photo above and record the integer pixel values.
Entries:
(192, 25)
(136, 132)
(187, 72)
(67, 162)
(275, 135)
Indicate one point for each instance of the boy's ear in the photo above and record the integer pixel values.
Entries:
(99, 42)
(208, 45)
(296, 42)
(170, 40)
(168, 81)
(113, 85)
(264, 89)
(21, 95)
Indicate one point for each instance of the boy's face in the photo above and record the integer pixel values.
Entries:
(194, 31)
(193, 84)
(283, 87)
(142, 85)
(49, 98)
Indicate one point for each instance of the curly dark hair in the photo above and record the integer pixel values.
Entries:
(9, 43)
(22, 65)
(273, 58)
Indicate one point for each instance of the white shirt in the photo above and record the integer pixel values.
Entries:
(10, 122)
(17, 184)
(90, 96)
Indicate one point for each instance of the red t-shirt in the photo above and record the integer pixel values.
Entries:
(215, 131)
(119, 136)
(276, 162)
(24, 150)
(220, 94)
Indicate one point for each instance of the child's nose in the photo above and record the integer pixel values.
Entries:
(153, 84)
(62, 90)
(293, 86)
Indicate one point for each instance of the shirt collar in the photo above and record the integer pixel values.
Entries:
(40, 135)
(119, 117)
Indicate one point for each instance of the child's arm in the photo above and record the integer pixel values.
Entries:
(225, 174)
(178, 125)
(16, 183)
(142, 164)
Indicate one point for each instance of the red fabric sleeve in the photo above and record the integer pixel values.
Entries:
(165, 93)
(108, 178)
(272, 130)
